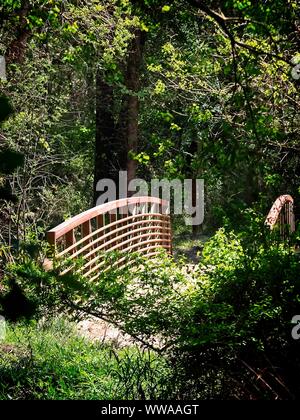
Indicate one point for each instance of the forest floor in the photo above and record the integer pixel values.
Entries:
(95, 329)
(189, 247)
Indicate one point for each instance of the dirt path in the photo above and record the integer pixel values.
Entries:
(95, 329)
(189, 247)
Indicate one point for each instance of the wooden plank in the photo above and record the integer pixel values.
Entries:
(117, 246)
(51, 238)
(107, 235)
(125, 221)
(100, 221)
(70, 240)
(86, 228)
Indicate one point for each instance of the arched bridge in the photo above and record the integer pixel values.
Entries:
(137, 224)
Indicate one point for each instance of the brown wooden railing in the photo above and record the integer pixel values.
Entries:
(137, 224)
(282, 215)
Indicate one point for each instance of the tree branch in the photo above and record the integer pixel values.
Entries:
(222, 20)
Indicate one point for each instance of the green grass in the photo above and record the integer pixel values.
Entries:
(53, 362)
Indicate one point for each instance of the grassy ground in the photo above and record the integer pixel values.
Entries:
(53, 362)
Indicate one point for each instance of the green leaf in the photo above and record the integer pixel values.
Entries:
(166, 9)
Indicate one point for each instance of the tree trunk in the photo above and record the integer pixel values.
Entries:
(110, 154)
(132, 81)
(114, 140)
(16, 50)
(194, 150)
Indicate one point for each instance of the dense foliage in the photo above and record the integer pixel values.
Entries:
(181, 89)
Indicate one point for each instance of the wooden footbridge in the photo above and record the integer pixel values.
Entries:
(138, 224)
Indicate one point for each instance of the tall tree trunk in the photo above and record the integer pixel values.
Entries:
(110, 154)
(16, 50)
(115, 141)
(132, 81)
(195, 149)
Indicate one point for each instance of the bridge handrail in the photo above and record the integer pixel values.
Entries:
(284, 202)
(80, 219)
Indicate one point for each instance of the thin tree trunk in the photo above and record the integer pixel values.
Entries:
(16, 50)
(195, 149)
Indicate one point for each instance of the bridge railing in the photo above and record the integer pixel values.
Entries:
(282, 215)
(137, 224)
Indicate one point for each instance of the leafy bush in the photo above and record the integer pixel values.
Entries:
(239, 330)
